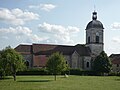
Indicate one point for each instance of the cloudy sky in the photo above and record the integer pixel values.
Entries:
(57, 22)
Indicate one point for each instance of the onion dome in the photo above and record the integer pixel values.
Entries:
(94, 23)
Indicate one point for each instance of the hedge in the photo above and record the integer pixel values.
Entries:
(81, 72)
(43, 71)
(33, 71)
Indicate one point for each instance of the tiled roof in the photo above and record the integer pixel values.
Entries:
(24, 49)
(114, 55)
(42, 47)
(82, 50)
(67, 50)
(115, 58)
(48, 49)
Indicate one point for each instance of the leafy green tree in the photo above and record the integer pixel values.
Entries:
(56, 64)
(4, 65)
(102, 64)
(11, 62)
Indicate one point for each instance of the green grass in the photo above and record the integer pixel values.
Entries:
(70, 83)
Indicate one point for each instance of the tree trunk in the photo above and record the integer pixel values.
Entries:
(55, 77)
(14, 76)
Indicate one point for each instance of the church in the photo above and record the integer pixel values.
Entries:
(78, 56)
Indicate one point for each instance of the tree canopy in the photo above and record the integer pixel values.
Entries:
(102, 63)
(56, 64)
(10, 62)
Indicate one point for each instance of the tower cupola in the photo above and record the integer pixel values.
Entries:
(94, 35)
(94, 23)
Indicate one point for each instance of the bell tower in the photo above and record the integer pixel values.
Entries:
(94, 35)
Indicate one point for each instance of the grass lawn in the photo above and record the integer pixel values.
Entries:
(70, 83)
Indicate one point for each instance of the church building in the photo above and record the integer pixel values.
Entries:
(78, 56)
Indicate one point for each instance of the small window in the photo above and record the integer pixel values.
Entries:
(87, 65)
(97, 39)
(89, 39)
(117, 65)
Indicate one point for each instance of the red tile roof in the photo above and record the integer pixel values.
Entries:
(115, 58)
(24, 49)
(42, 47)
(67, 50)
(47, 49)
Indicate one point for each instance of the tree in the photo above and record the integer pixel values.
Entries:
(11, 62)
(102, 64)
(4, 66)
(56, 64)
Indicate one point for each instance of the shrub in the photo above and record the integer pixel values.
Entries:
(114, 74)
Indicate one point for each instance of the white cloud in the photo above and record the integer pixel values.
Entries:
(33, 38)
(115, 25)
(17, 31)
(46, 7)
(20, 32)
(16, 16)
(52, 28)
(59, 33)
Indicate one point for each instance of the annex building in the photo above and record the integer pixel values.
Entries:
(78, 56)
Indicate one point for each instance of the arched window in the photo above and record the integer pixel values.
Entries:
(87, 65)
(89, 39)
(27, 63)
(97, 39)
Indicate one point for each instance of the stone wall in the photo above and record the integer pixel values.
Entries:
(68, 59)
(28, 58)
(78, 61)
(39, 60)
(87, 63)
(74, 59)
(96, 49)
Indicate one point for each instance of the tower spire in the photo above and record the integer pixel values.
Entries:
(94, 8)
(94, 17)
(94, 5)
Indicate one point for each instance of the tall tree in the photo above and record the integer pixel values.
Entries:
(102, 64)
(11, 61)
(56, 64)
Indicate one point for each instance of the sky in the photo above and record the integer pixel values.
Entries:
(57, 22)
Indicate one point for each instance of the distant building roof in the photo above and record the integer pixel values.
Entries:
(115, 58)
(114, 55)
